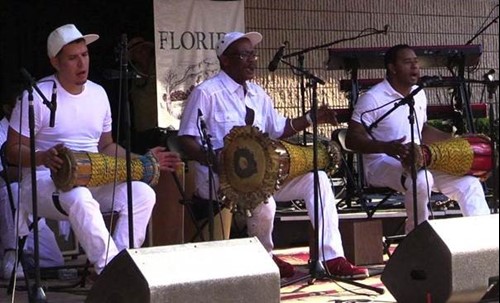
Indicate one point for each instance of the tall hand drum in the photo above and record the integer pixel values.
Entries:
(95, 169)
(460, 156)
(253, 166)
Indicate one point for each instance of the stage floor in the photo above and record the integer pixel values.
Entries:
(300, 289)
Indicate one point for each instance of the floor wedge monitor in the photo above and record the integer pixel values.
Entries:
(227, 271)
(445, 260)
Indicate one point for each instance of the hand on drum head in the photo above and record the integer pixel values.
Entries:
(327, 115)
(50, 158)
(168, 160)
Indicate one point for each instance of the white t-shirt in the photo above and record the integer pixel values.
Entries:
(223, 103)
(394, 126)
(79, 120)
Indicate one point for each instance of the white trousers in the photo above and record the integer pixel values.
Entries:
(50, 254)
(85, 206)
(261, 223)
(466, 190)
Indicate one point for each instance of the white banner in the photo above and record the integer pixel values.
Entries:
(186, 32)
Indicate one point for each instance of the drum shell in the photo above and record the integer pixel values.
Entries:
(460, 156)
(95, 169)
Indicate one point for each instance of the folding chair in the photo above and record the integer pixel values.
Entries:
(356, 188)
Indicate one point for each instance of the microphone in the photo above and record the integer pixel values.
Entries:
(273, 65)
(425, 81)
(386, 29)
(50, 104)
(28, 77)
(203, 125)
(53, 105)
(489, 75)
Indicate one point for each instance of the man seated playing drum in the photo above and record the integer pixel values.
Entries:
(386, 148)
(82, 123)
(230, 99)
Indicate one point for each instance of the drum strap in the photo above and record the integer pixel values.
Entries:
(57, 204)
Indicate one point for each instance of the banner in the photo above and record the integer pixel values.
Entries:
(186, 32)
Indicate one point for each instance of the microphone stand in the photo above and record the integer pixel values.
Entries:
(209, 151)
(36, 294)
(482, 30)
(493, 121)
(316, 269)
(127, 123)
(411, 117)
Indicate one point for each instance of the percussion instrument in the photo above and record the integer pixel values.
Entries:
(459, 156)
(94, 169)
(253, 166)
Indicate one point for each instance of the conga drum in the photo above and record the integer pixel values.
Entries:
(253, 166)
(459, 156)
(94, 169)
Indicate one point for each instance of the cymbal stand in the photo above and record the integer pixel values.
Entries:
(316, 269)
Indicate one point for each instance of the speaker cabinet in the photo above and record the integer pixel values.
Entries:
(229, 271)
(445, 260)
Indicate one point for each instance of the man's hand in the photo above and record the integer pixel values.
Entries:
(50, 158)
(327, 115)
(397, 150)
(169, 161)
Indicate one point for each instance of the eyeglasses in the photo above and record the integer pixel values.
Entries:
(245, 56)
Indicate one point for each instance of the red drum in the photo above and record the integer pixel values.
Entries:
(460, 156)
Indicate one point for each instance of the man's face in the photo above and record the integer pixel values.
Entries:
(72, 63)
(406, 69)
(239, 61)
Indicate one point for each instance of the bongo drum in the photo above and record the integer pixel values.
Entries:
(253, 166)
(95, 169)
(460, 156)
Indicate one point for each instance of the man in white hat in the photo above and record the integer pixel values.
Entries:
(230, 99)
(82, 123)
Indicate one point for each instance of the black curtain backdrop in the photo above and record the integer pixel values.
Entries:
(25, 25)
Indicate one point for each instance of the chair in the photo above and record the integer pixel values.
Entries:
(356, 188)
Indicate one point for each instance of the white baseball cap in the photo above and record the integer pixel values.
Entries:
(229, 38)
(64, 35)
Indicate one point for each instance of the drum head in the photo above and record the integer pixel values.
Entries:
(250, 166)
(64, 178)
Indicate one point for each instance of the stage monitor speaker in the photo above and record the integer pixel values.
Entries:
(228, 271)
(445, 260)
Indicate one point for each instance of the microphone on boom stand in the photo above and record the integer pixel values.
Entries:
(273, 65)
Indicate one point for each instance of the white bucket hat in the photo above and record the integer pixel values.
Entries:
(63, 35)
(229, 38)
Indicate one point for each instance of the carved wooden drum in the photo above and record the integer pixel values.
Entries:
(95, 169)
(253, 166)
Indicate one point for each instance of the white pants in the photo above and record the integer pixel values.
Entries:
(466, 190)
(49, 252)
(261, 223)
(84, 207)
